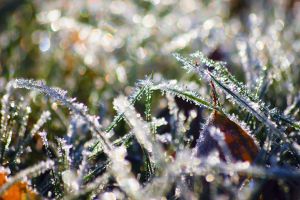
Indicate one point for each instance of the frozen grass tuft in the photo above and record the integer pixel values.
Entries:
(223, 126)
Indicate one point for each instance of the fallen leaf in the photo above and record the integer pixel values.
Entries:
(227, 137)
(18, 191)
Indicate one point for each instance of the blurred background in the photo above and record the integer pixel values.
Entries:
(98, 49)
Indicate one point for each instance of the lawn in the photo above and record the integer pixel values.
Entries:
(151, 99)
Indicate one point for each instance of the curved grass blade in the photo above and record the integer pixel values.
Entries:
(216, 71)
(60, 96)
(182, 92)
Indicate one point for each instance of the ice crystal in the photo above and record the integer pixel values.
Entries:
(61, 96)
(140, 128)
(238, 93)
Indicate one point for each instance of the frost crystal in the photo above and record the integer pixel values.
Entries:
(61, 96)
(140, 128)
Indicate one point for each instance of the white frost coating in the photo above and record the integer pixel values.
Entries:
(219, 136)
(64, 152)
(164, 138)
(185, 91)
(184, 163)
(5, 105)
(238, 92)
(56, 94)
(157, 122)
(69, 178)
(24, 121)
(43, 135)
(121, 169)
(108, 196)
(140, 128)
(97, 184)
(77, 108)
(42, 120)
